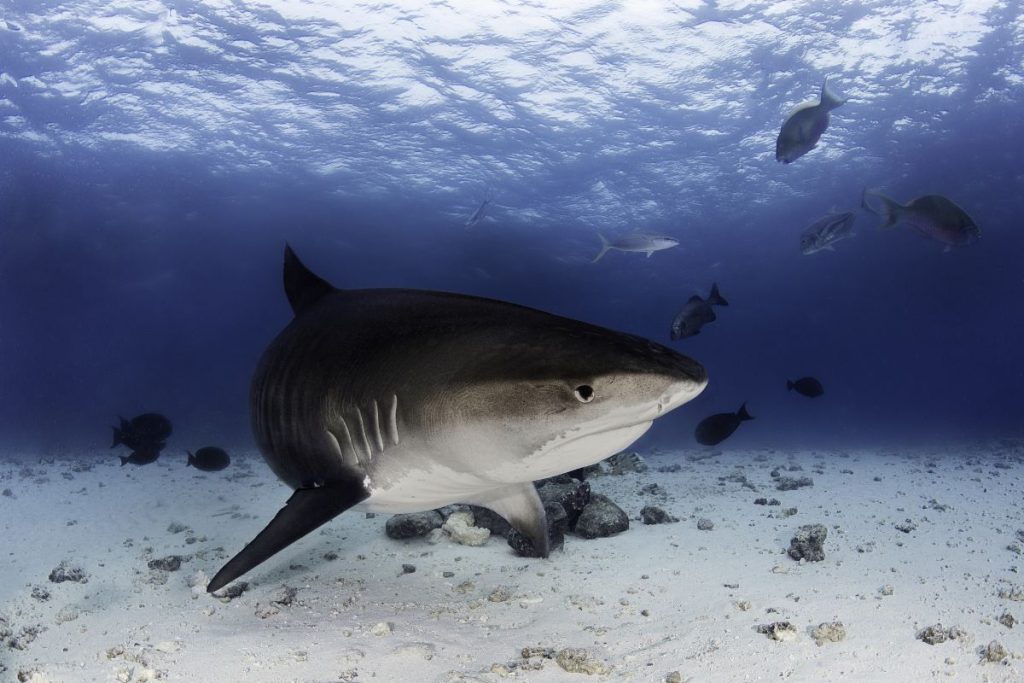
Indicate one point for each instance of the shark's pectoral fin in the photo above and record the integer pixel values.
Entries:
(520, 505)
(305, 511)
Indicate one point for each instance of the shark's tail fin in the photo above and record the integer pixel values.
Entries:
(829, 98)
(742, 413)
(605, 246)
(716, 299)
(889, 212)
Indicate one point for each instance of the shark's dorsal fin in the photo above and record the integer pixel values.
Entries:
(303, 287)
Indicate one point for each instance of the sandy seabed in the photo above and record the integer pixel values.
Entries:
(914, 539)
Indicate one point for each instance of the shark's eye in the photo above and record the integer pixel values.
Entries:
(584, 393)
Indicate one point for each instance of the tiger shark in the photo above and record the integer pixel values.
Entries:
(402, 400)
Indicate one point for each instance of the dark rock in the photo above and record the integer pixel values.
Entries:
(284, 596)
(40, 593)
(808, 543)
(413, 524)
(621, 463)
(408, 569)
(651, 514)
(176, 528)
(933, 635)
(791, 484)
(601, 517)
(232, 591)
(1007, 620)
(906, 526)
(705, 524)
(63, 572)
(491, 520)
(558, 526)
(572, 495)
(171, 563)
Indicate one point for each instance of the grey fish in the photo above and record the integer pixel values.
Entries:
(142, 431)
(208, 459)
(826, 231)
(405, 400)
(638, 242)
(141, 456)
(806, 386)
(720, 426)
(803, 128)
(696, 314)
(932, 215)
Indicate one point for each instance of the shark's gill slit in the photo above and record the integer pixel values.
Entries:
(337, 446)
(393, 419)
(362, 430)
(348, 448)
(377, 436)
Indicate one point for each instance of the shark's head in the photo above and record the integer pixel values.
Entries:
(548, 395)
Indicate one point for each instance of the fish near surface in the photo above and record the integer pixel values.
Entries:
(636, 242)
(696, 314)
(404, 400)
(715, 429)
(803, 128)
(826, 231)
(933, 215)
(806, 386)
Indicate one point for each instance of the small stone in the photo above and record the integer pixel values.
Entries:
(176, 528)
(651, 514)
(886, 590)
(778, 630)
(705, 524)
(501, 594)
(577, 660)
(284, 596)
(994, 652)
(171, 563)
(906, 526)
(413, 525)
(600, 518)
(808, 543)
(743, 605)
(673, 677)
(408, 568)
(381, 628)
(1007, 620)
(40, 593)
(67, 613)
(791, 484)
(621, 463)
(828, 632)
(933, 635)
(459, 527)
(64, 572)
(232, 591)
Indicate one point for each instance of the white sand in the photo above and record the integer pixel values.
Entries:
(111, 521)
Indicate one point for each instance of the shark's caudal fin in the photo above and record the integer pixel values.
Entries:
(742, 413)
(716, 299)
(829, 98)
(303, 287)
(304, 512)
(605, 246)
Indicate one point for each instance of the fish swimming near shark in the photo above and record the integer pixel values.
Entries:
(404, 400)
(803, 127)
(934, 216)
(696, 314)
(826, 231)
(479, 214)
(636, 242)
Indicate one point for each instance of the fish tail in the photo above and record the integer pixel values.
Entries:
(714, 298)
(829, 98)
(124, 461)
(890, 211)
(605, 246)
(789, 385)
(191, 459)
(742, 413)
(117, 437)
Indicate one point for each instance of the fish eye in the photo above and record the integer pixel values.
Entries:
(584, 393)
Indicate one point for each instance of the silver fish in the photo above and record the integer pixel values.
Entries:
(932, 215)
(636, 242)
(803, 128)
(696, 314)
(478, 215)
(826, 231)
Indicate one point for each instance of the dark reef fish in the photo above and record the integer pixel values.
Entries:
(720, 426)
(932, 215)
(208, 459)
(804, 126)
(826, 231)
(142, 431)
(141, 456)
(406, 400)
(806, 386)
(696, 314)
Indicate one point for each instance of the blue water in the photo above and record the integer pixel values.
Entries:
(157, 156)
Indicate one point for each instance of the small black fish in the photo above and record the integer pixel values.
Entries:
(143, 431)
(142, 456)
(806, 386)
(208, 459)
(696, 314)
(720, 426)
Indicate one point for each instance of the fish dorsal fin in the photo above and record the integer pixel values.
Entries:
(302, 286)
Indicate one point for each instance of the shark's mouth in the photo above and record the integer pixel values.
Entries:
(574, 450)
